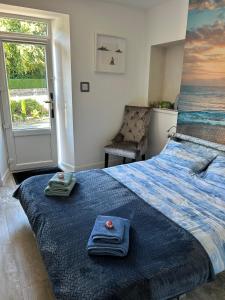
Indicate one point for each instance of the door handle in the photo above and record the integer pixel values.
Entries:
(52, 112)
(52, 96)
(51, 108)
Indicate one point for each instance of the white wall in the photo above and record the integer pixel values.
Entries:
(157, 73)
(97, 115)
(166, 65)
(173, 71)
(167, 21)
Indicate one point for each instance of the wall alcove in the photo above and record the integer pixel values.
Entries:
(166, 64)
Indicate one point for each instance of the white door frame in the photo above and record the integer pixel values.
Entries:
(4, 100)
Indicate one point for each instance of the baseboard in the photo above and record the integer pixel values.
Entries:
(66, 167)
(97, 165)
(5, 176)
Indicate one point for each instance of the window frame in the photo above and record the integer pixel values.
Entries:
(25, 36)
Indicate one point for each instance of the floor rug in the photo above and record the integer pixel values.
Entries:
(21, 176)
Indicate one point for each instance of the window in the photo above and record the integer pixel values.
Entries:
(26, 69)
(29, 27)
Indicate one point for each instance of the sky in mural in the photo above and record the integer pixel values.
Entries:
(202, 96)
(204, 63)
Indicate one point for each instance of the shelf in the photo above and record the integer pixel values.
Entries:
(165, 111)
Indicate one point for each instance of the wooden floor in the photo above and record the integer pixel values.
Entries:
(22, 273)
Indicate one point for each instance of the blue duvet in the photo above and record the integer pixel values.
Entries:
(164, 259)
(195, 203)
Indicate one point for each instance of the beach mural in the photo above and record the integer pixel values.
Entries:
(202, 97)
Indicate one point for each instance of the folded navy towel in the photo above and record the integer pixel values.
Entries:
(101, 234)
(111, 249)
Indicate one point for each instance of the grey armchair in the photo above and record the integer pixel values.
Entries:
(132, 139)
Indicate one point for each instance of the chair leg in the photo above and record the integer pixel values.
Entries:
(124, 160)
(106, 160)
(143, 157)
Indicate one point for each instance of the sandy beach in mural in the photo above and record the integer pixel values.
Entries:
(202, 96)
(214, 134)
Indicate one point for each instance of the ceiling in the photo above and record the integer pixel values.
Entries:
(137, 3)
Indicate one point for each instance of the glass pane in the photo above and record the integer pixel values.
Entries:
(23, 26)
(27, 83)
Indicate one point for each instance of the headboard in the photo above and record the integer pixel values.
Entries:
(197, 141)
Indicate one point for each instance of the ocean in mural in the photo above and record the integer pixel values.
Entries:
(202, 97)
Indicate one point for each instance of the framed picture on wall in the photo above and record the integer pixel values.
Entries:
(110, 54)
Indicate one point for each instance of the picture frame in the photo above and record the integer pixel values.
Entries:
(110, 54)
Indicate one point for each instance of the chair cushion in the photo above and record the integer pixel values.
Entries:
(135, 124)
(124, 149)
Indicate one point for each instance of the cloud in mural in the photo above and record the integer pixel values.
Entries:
(204, 61)
(209, 34)
(206, 4)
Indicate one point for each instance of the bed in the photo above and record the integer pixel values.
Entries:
(177, 237)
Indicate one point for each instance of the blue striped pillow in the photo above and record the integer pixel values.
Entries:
(216, 172)
(180, 155)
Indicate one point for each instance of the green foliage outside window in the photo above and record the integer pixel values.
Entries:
(24, 61)
(31, 27)
(27, 109)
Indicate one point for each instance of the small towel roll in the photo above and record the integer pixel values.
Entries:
(58, 182)
(101, 234)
